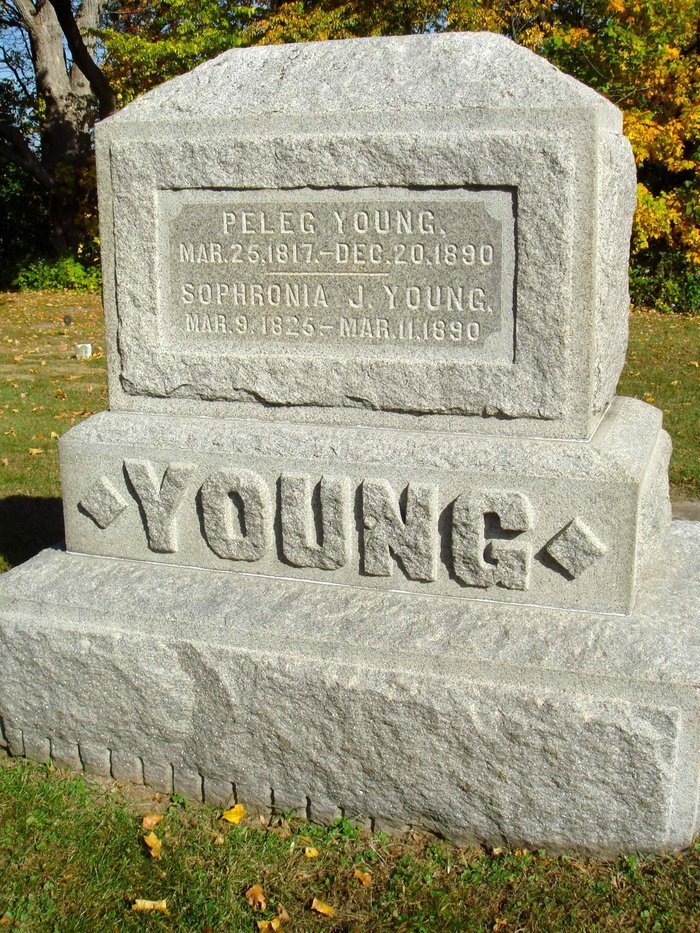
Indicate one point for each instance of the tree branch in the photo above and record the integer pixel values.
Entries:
(14, 148)
(25, 10)
(89, 13)
(82, 58)
(16, 73)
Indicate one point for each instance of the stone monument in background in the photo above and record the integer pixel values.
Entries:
(366, 530)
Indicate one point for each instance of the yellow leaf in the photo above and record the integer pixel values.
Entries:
(322, 908)
(5, 919)
(282, 914)
(267, 925)
(234, 815)
(311, 852)
(159, 906)
(35, 451)
(5, 462)
(255, 897)
(364, 877)
(218, 839)
(54, 435)
(151, 820)
(154, 844)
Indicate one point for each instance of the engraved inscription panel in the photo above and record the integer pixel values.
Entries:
(383, 271)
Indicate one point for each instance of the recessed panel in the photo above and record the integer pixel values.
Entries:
(381, 272)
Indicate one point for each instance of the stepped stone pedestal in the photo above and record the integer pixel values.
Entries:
(366, 530)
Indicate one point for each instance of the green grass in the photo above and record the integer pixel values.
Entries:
(43, 391)
(663, 368)
(72, 859)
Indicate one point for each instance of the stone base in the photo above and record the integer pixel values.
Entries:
(490, 722)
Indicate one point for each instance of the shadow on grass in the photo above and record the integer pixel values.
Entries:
(27, 525)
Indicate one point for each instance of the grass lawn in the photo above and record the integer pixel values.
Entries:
(663, 368)
(72, 855)
(72, 858)
(43, 391)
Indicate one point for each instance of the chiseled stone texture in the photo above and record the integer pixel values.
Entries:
(379, 508)
(496, 723)
(458, 118)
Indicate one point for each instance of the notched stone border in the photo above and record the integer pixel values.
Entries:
(166, 778)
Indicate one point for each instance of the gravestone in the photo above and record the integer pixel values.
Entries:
(366, 530)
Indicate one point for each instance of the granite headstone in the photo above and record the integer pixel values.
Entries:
(366, 312)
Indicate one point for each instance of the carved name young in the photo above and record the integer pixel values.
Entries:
(376, 269)
(484, 538)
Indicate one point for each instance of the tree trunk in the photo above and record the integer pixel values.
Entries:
(66, 154)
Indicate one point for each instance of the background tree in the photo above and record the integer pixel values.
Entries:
(48, 107)
(149, 42)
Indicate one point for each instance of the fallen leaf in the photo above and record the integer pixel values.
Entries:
(154, 844)
(234, 815)
(267, 925)
(311, 852)
(151, 820)
(5, 919)
(218, 839)
(5, 462)
(54, 435)
(255, 897)
(322, 908)
(160, 907)
(497, 852)
(35, 451)
(283, 915)
(364, 877)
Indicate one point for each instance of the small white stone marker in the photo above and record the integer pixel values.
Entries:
(83, 351)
